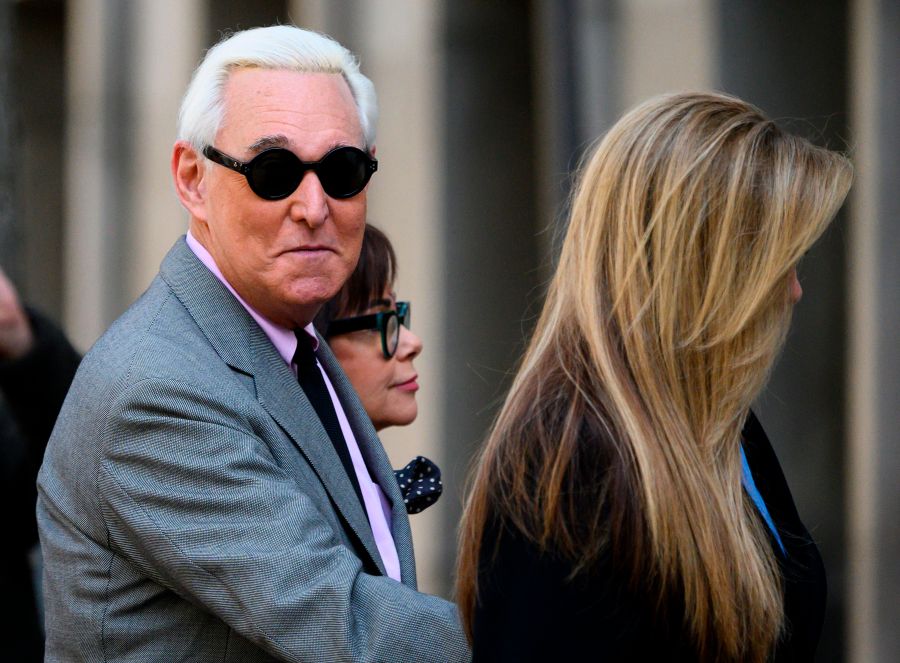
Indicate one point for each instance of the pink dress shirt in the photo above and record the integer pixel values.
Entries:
(376, 504)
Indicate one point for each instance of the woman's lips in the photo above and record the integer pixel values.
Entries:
(409, 385)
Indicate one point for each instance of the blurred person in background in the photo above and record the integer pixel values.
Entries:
(37, 364)
(213, 488)
(627, 504)
(369, 332)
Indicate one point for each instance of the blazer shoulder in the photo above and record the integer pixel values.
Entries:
(155, 337)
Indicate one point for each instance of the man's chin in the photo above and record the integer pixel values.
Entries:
(299, 309)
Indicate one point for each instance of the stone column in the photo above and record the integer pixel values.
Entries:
(169, 38)
(40, 120)
(398, 44)
(128, 64)
(576, 58)
(667, 46)
(873, 505)
(491, 236)
(96, 188)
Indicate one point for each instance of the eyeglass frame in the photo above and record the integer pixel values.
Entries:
(244, 167)
(373, 321)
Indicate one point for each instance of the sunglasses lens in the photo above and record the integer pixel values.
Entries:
(275, 174)
(344, 172)
(391, 334)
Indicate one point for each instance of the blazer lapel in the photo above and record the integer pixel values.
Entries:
(280, 394)
(377, 461)
(245, 347)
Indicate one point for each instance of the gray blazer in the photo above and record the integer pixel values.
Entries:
(192, 508)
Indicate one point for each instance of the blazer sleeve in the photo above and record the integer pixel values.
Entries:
(193, 497)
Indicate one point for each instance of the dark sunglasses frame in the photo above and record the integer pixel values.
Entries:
(365, 166)
(377, 321)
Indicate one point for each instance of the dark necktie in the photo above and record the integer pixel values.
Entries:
(313, 384)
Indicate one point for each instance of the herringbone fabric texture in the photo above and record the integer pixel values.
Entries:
(192, 507)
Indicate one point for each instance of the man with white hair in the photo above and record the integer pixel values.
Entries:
(213, 489)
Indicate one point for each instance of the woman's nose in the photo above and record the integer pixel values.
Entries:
(409, 345)
(796, 288)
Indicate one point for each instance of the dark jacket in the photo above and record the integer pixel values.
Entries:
(33, 388)
(528, 609)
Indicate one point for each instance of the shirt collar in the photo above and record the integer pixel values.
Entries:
(282, 338)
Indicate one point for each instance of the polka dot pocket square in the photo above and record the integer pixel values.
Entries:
(420, 483)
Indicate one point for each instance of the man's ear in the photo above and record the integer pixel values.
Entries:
(189, 173)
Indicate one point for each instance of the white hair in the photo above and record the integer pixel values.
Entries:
(274, 47)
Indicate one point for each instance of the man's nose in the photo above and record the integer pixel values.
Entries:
(309, 203)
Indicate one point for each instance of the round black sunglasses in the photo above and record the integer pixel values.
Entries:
(386, 322)
(276, 173)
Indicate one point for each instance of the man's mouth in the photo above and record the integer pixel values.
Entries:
(310, 249)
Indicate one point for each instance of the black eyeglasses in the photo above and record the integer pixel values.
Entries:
(386, 322)
(276, 173)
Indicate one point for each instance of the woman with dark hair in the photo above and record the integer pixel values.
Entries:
(368, 331)
(627, 504)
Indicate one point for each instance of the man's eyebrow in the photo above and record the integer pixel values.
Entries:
(266, 142)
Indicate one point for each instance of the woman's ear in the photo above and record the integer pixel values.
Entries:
(189, 173)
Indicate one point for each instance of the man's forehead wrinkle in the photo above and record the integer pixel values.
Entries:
(283, 122)
(282, 141)
(265, 110)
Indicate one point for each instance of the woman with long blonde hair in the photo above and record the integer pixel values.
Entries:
(627, 503)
